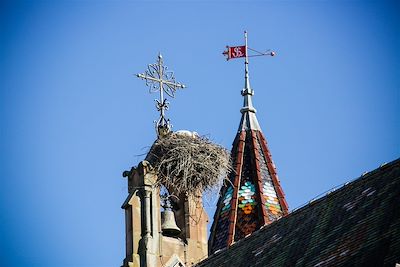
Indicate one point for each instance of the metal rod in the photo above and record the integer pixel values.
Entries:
(160, 68)
(259, 55)
(246, 64)
(264, 53)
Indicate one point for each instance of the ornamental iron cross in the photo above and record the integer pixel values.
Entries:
(158, 78)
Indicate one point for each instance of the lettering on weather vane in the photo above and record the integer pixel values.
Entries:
(159, 79)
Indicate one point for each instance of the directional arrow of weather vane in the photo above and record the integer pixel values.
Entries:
(159, 79)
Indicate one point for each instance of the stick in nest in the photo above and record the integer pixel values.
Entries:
(188, 164)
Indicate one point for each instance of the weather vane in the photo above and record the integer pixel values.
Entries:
(241, 51)
(233, 52)
(158, 78)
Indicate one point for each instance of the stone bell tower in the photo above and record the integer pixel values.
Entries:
(179, 237)
(147, 243)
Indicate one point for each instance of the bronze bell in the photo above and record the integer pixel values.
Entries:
(168, 226)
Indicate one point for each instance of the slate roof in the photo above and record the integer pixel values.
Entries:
(253, 197)
(356, 225)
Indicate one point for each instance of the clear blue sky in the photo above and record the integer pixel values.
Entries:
(73, 116)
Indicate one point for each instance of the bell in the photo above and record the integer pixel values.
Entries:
(168, 226)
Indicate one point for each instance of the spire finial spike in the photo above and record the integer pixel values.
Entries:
(247, 92)
(246, 65)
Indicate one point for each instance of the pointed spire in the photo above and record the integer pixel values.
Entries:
(253, 197)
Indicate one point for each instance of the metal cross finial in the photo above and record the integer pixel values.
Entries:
(158, 78)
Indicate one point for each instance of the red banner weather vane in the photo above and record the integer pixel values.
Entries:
(242, 51)
(232, 52)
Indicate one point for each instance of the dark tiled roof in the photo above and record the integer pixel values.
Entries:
(356, 225)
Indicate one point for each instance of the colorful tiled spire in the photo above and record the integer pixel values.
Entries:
(253, 197)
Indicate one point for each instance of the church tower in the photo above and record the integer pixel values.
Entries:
(253, 196)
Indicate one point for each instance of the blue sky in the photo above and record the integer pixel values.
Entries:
(74, 117)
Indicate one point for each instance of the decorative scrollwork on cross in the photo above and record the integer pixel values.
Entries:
(159, 79)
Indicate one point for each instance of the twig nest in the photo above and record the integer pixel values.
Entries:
(188, 163)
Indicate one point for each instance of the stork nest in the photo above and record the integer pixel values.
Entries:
(188, 164)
